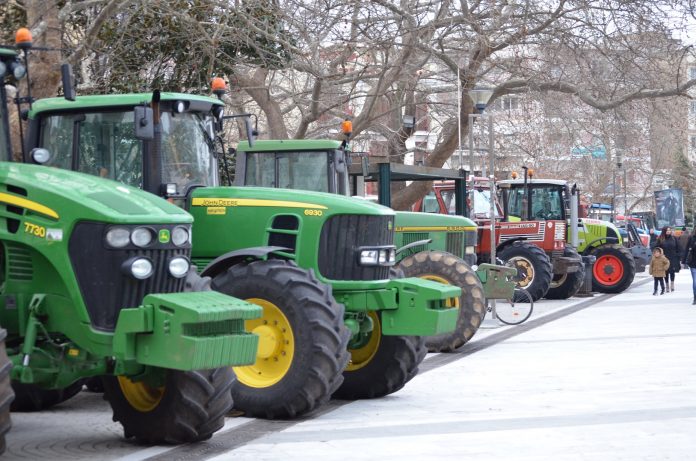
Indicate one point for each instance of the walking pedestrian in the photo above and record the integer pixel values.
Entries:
(670, 248)
(690, 260)
(653, 238)
(658, 269)
(682, 239)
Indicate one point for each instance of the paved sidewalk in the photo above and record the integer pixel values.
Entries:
(615, 381)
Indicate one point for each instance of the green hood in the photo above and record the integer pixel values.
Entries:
(69, 196)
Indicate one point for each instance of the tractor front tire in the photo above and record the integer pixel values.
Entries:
(6, 394)
(382, 366)
(303, 339)
(564, 286)
(534, 270)
(29, 397)
(446, 268)
(613, 270)
(190, 406)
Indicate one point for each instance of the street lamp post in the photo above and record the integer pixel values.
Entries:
(480, 98)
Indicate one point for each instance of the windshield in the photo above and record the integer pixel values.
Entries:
(188, 151)
(108, 148)
(481, 204)
(303, 170)
(547, 203)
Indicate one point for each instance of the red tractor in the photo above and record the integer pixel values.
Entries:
(546, 266)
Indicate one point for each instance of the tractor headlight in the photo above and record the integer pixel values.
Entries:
(470, 250)
(369, 257)
(178, 267)
(378, 257)
(18, 70)
(142, 237)
(140, 268)
(180, 236)
(118, 237)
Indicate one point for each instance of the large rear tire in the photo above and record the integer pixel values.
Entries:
(190, 406)
(534, 270)
(29, 397)
(303, 344)
(613, 270)
(6, 394)
(382, 365)
(446, 268)
(565, 286)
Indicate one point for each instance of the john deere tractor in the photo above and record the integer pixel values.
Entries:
(433, 247)
(96, 280)
(615, 265)
(339, 325)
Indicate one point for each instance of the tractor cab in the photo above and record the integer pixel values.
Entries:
(116, 140)
(547, 201)
(312, 164)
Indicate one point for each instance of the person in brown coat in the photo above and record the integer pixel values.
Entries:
(659, 265)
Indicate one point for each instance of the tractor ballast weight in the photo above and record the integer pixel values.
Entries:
(616, 262)
(333, 322)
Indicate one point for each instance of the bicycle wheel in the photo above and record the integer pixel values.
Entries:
(516, 310)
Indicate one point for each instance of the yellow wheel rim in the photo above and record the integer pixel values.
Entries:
(276, 347)
(362, 356)
(450, 302)
(139, 395)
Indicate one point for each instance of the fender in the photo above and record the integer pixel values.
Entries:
(509, 242)
(598, 242)
(221, 263)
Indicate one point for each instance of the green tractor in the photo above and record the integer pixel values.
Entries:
(340, 324)
(616, 263)
(96, 280)
(434, 247)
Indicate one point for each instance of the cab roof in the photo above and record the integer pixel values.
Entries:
(555, 182)
(288, 145)
(113, 100)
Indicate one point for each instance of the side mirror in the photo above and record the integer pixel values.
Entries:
(340, 161)
(144, 123)
(249, 131)
(68, 82)
(365, 166)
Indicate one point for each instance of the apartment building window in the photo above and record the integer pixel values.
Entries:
(692, 72)
(692, 107)
(509, 103)
(692, 141)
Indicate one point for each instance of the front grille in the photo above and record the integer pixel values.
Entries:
(340, 239)
(104, 287)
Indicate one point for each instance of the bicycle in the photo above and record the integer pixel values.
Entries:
(515, 310)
